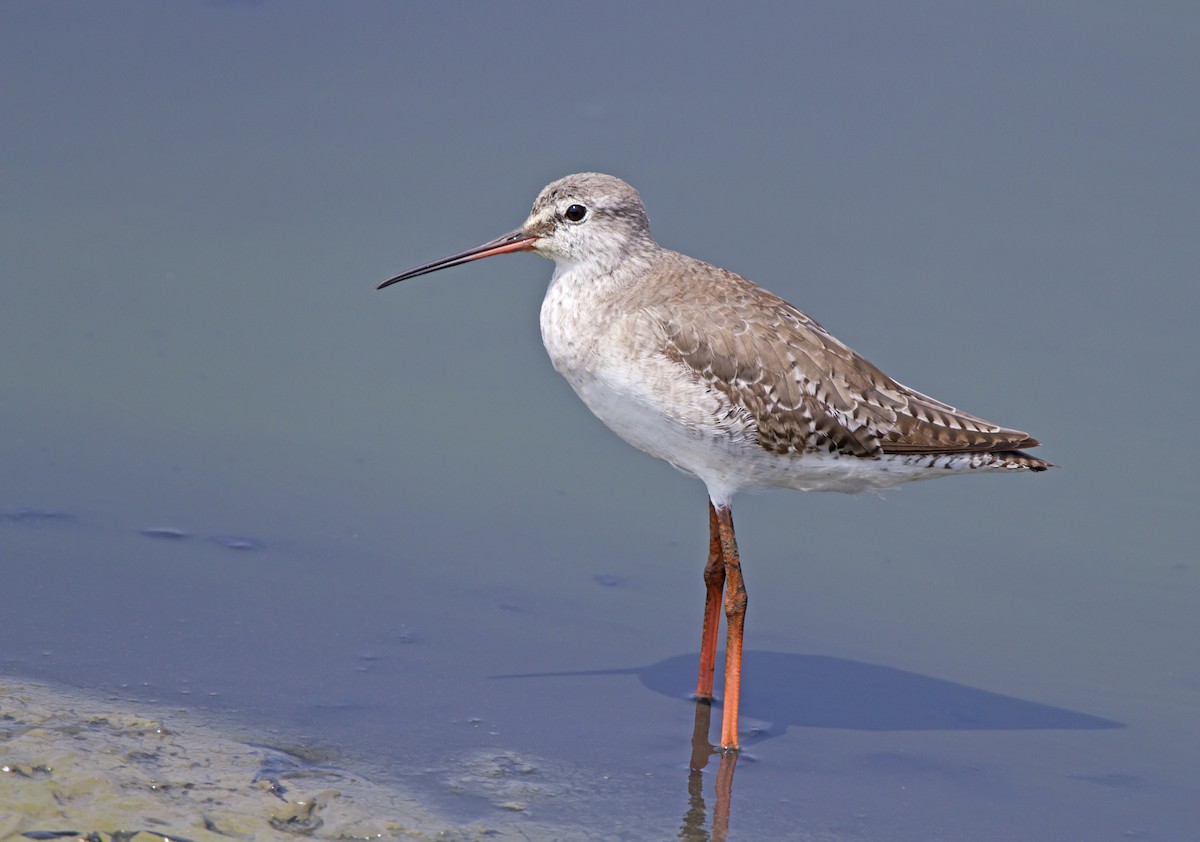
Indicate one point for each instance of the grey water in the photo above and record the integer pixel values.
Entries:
(235, 478)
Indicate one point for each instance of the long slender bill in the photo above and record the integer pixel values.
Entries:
(518, 240)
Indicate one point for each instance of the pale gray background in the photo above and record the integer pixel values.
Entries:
(994, 202)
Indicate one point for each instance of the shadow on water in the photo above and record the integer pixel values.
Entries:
(819, 691)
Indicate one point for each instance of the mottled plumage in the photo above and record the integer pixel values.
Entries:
(806, 391)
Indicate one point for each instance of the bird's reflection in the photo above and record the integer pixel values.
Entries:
(702, 752)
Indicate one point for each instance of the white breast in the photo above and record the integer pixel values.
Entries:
(613, 359)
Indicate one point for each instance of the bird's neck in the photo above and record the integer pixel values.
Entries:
(605, 274)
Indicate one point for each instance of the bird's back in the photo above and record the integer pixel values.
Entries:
(805, 391)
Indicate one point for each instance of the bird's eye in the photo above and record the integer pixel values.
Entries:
(576, 213)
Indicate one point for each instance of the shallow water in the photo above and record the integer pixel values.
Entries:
(558, 691)
(238, 481)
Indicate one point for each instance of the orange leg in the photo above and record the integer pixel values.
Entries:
(714, 579)
(735, 616)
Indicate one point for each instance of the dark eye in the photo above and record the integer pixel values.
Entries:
(576, 213)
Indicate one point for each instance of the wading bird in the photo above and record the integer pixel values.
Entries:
(727, 382)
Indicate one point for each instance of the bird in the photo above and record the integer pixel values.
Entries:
(725, 381)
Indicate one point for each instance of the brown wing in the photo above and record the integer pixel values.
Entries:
(805, 390)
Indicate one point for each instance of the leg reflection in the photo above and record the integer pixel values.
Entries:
(702, 749)
(694, 820)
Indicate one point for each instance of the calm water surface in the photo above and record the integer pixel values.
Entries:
(237, 479)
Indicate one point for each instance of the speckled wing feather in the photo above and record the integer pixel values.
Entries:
(804, 389)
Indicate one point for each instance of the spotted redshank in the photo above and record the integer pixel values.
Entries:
(727, 382)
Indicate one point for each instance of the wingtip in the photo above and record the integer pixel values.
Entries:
(1020, 459)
